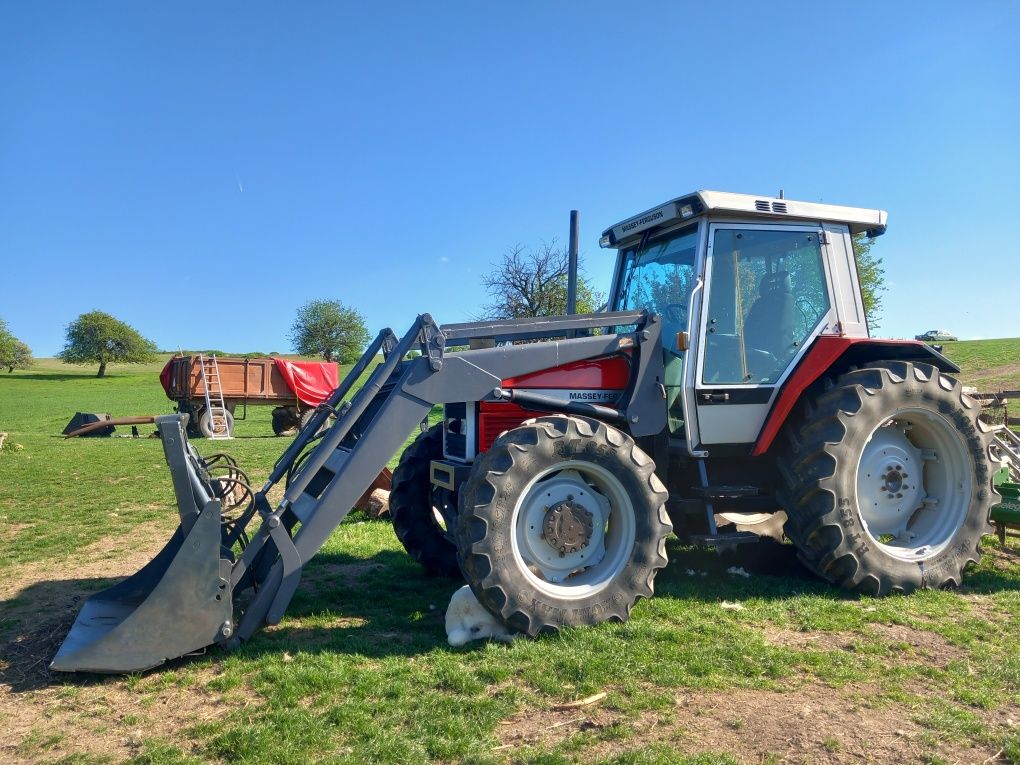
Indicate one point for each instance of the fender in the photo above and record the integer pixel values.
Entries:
(835, 355)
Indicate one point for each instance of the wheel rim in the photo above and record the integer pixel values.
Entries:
(217, 421)
(913, 484)
(574, 529)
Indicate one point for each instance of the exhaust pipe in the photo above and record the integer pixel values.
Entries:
(572, 263)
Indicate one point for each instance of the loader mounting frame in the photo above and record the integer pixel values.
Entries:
(185, 599)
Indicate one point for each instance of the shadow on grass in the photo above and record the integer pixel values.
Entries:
(58, 376)
(385, 606)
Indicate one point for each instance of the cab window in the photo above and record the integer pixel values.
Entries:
(660, 278)
(766, 297)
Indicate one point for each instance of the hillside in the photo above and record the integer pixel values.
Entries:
(989, 365)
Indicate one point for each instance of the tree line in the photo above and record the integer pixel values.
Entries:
(524, 283)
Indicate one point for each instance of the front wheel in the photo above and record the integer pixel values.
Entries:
(889, 480)
(562, 523)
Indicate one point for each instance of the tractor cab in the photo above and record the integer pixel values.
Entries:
(744, 286)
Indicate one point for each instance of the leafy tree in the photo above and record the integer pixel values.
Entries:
(533, 282)
(329, 329)
(14, 354)
(98, 338)
(871, 274)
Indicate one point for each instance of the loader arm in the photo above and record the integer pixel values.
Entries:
(184, 600)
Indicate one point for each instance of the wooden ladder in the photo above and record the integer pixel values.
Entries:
(210, 372)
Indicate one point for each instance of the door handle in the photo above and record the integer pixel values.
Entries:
(715, 398)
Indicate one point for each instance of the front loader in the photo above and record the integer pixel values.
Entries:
(732, 386)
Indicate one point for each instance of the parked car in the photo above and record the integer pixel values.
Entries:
(936, 336)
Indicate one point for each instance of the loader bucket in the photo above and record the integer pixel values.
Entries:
(178, 603)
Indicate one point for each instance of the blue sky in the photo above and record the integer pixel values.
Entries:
(201, 169)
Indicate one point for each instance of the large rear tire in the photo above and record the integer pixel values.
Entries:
(888, 480)
(417, 519)
(562, 523)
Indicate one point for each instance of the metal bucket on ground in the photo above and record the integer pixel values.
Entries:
(178, 603)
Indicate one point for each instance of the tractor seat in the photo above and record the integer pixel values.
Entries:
(769, 325)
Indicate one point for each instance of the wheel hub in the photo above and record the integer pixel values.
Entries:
(561, 527)
(568, 527)
(889, 485)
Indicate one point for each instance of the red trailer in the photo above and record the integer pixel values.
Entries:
(294, 387)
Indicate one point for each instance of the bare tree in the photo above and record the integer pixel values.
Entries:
(530, 282)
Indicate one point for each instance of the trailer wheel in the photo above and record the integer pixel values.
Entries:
(193, 412)
(285, 421)
(889, 480)
(562, 523)
(215, 421)
(306, 417)
(416, 507)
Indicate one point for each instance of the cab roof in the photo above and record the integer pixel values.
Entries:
(690, 206)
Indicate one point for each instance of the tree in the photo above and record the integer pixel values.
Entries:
(871, 274)
(14, 354)
(329, 329)
(533, 282)
(98, 338)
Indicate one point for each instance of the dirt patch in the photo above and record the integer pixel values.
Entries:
(49, 715)
(108, 718)
(550, 726)
(932, 647)
(38, 595)
(812, 724)
(994, 378)
(132, 550)
(803, 640)
(11, 530)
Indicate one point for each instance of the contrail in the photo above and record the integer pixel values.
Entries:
(239, 186)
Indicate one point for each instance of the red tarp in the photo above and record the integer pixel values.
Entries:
(164, 377)
(311, 381)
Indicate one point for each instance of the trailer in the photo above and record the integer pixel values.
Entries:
(209, 389)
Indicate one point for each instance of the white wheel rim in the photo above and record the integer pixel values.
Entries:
(576, 574)
(914, 484)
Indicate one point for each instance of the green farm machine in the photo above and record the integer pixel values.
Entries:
(731, 388)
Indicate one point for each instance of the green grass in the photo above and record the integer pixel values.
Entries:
(991, 365)
(359, 670)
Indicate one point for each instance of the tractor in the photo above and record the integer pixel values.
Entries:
(731, 389)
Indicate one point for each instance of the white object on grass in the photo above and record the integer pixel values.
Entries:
(467, 620)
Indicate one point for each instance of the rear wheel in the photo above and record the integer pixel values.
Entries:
(888, 480)
(419, 510)
(562, 523)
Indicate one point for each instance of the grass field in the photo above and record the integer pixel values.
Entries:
(718, 668)
(990, 365)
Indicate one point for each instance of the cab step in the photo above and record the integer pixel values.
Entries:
(732, 538)
(724, 491)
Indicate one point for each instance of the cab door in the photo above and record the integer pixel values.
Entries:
(766, 297)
